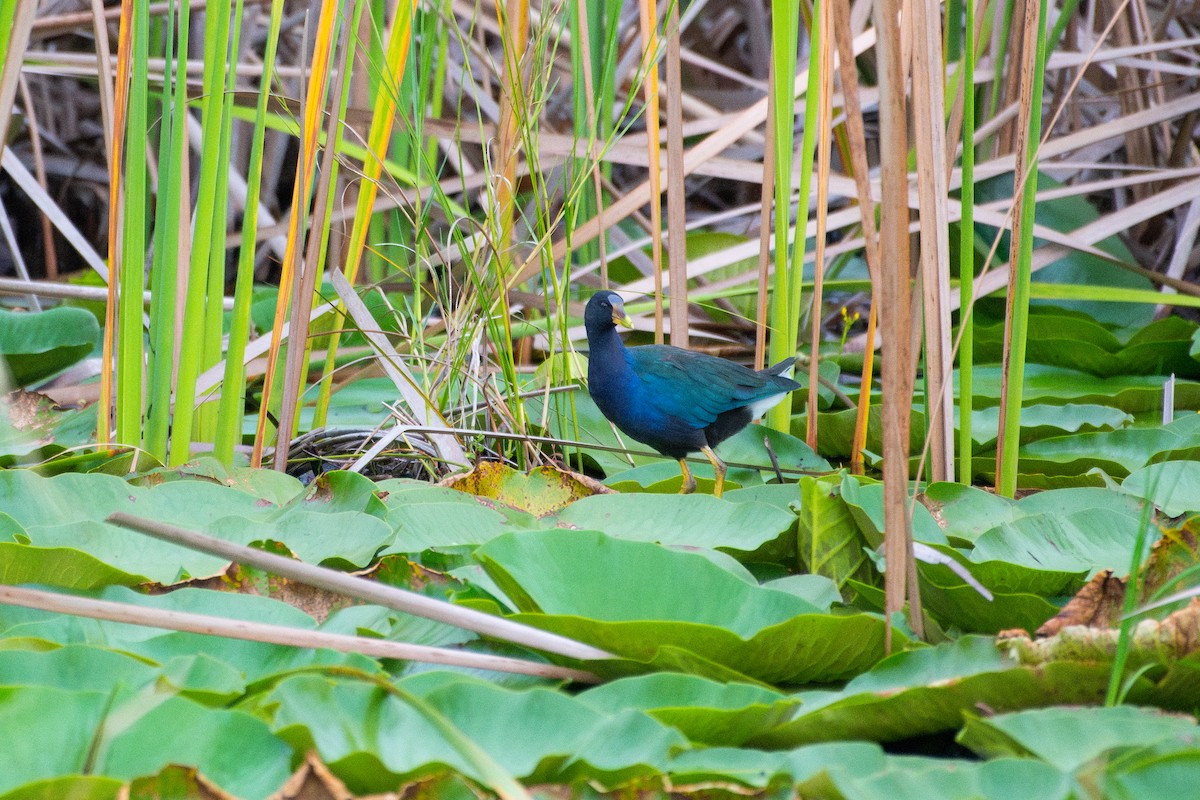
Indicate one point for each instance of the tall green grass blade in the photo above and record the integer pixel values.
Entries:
(214, 309)
(132, 281)
(1018, 310)
(208, 231)
(1065, 15)
(966, 248)
(784, 327)
(233, 387)
(173, 196)
(808, 148)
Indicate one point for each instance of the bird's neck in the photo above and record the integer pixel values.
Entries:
(606, 354)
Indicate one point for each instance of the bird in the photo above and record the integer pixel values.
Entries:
(674, 400)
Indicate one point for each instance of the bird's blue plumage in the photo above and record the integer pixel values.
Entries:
(677, 401)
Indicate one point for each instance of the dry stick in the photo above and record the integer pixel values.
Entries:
(676, 201)
(360, 589)
(929, 115)
(648, 16)
(279, 634)
(39, 170)
(895, 288)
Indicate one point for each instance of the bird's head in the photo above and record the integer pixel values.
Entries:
(604, 310)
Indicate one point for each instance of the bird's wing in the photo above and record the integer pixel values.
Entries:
(697, 387)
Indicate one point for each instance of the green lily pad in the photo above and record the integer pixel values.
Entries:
(610, 594)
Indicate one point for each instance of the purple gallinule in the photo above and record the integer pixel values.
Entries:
(676, 401)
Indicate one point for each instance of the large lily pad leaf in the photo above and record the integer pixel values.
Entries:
(1079, 343)
(928, 690)
(965, 512)
(861, 771)
(65, 567)
(76, 668)
(275, 487)
(835, 433)
(1133, 394)
(954, 603)
(705, 711)
(1045, 421)
(1043, 547)
(1070, 737)
(67, 512)
(373, 739)
(1118, 453)
(46, 714)
(1088, 540)
(157, 731)
(813, 768)
(920, 779)
(429, 521)
(178, 731)
(691, 520)
(864, 497)
(1173, 486)
(1168, 768)
(611, 594)
(36, 346)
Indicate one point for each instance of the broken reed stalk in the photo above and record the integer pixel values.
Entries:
(360, 589)
(278, 634)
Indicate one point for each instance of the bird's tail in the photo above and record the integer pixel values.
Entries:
(784, 369)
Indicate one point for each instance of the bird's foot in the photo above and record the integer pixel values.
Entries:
(689, 482)
(718, 470)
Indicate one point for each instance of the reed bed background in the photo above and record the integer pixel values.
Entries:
(315, 191)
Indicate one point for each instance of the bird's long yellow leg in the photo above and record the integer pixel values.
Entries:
(689, 483)
(718, 468)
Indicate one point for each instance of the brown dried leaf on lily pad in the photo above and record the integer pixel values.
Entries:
(1100, 603)
(1164, 641)
(1097, 605)
(541, 492)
